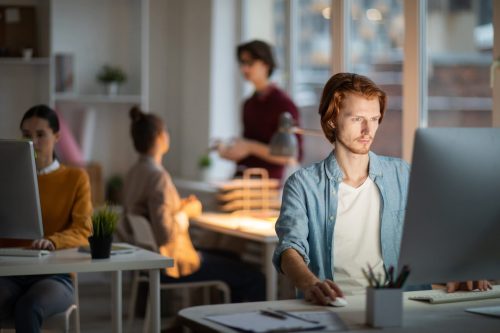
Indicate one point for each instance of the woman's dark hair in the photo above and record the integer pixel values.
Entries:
(44, 112)
(258, 50)
(145, 128)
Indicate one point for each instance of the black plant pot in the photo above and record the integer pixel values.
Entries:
(100, 247)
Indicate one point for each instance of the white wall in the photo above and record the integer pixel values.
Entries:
(23, 85)
(197, 85)
(164, 72)
(259, 21)
(225, 115)
(179, 78)
(99, 32)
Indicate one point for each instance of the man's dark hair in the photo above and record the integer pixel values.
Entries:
(258, 50)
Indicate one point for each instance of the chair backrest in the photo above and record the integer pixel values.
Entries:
(142, 234)
(59, 322)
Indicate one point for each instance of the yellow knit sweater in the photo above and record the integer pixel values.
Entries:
(66, 208)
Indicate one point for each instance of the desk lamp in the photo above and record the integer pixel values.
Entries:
(284, 141)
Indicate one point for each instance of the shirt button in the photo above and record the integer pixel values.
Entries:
(331, 217)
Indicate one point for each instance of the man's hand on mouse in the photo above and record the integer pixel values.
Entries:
(322, 292)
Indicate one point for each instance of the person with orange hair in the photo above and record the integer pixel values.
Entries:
(347, 210)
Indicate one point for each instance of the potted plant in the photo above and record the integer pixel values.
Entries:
(104, 221)
(112, 77)
(204, 164)
(114, 190)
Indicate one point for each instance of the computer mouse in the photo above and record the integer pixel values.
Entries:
(338, 302)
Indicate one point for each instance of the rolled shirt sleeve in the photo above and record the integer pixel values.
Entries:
(292, 225)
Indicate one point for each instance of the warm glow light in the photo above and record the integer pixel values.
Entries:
(374, 14)
(326, 13)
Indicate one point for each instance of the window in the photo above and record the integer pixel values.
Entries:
(376, 51)
(312, 40)
(453, 90)
(459, 49)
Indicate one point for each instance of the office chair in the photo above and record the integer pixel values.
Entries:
(60, 322)
(142, 236)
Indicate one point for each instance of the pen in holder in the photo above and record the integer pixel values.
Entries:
(384, 299)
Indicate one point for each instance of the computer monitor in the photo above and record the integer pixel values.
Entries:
(452, 223)
(20, 213)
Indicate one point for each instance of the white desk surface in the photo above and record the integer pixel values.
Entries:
(70, 260)
(260, 230)
(251, 228)
(418, 317)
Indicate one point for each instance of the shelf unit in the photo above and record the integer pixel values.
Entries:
(118, 35)
(98, 99)
(44, 61)
(95, 32)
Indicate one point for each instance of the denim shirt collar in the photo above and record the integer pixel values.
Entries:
(333, 170)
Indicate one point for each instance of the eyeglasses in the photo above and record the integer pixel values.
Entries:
(246, 62)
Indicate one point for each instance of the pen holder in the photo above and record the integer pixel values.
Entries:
(384, 307)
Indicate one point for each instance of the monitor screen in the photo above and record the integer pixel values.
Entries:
(452, 222)
(20, 214)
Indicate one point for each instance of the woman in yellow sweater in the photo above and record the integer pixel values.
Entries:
(66, 211)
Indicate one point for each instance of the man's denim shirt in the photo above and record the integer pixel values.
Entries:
(309, 210)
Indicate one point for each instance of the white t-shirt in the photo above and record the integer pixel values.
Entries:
(357, 236)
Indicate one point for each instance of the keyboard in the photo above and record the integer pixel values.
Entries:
(441, 296)
(22, 252)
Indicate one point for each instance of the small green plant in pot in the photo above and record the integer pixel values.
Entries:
(204, 165)
(112, 77)
(104, 221)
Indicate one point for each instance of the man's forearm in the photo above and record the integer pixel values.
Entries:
(294, 267)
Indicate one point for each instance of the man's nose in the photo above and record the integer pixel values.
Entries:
(365, 128)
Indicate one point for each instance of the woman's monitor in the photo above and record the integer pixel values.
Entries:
(20, 214)
(452, 223)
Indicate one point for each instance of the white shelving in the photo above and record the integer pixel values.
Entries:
(95, 33)
(117, 36)
(98, 99)
(20, 61)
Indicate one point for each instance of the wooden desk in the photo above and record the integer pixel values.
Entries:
(417, 317)
(66, 261)
(245, 227)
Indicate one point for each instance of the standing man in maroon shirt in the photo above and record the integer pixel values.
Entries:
(261, 113)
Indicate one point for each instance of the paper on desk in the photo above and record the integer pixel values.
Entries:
(256, 322)
(329, 319)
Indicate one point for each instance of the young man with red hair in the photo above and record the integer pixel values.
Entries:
(347, 211)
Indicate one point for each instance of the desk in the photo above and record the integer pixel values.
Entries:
(70, 260)
(251, 228)
(418, 317)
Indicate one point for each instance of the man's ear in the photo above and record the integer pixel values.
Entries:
(58, 136)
